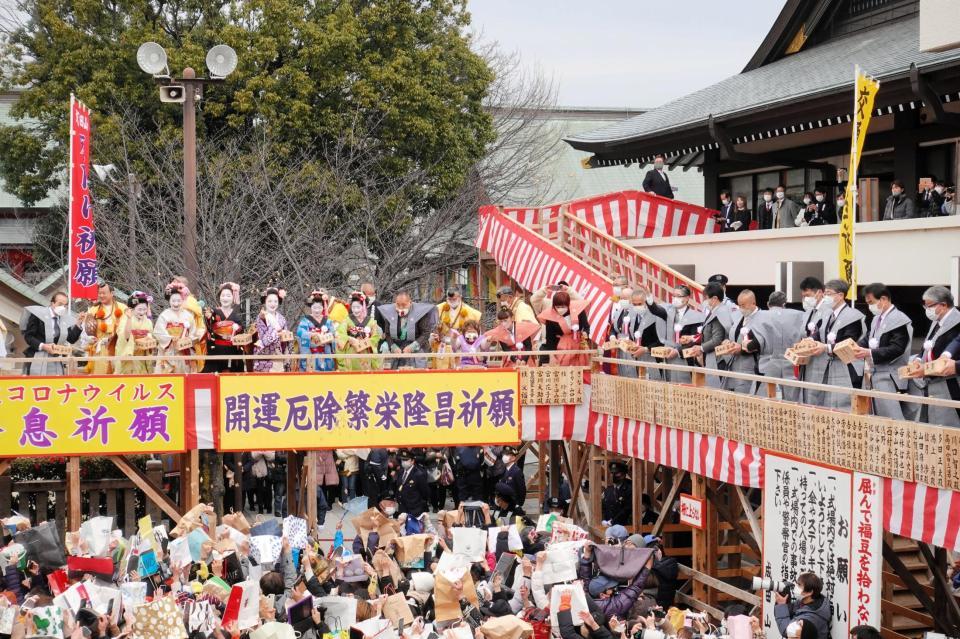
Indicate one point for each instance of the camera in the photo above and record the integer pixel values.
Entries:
(772, 585)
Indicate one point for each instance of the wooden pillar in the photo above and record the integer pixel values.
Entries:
(155, 473)
(702, 539)
(596, 489)
(189, 479)
(555, 468)
(311, 491)
(636, 472)
(73, 495)
(293, 481)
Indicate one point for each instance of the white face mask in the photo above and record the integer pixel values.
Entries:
(938, 189)
(640, 308)
(819, 198)
(809, 303)
(896, 192)
(841, 203)
(507, 459)
(678, 302)
(617, 291)
(562, 310)
(454, 304)
(658, 165)
(767, 197)
(931, 313)
(59, 310)
(781, 195)
(874, 308)
(798, 595)
(724, 201)
(806, 200)
(390, 511)
(623, 303)
(407, 463)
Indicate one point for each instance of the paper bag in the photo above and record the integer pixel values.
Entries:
(295, 530)
(397, 610)
(45, 621)
(470, 542)
(8, 615)
(238, 522)
(560, 566)
(266, 547)
(410, 548)
(339, 612)
(159, 619)
(578, 603)
(243, 606)
(274, 630)
(506, 627)
(375, 628)
(133, 594)
(446, 603)
(513, 539)
(72, 598)
(179, 551)
(95, 533)
(380, 560)
(201, 617)
(42, 545)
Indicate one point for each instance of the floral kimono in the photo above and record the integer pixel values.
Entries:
(353, 332)
(171, 327)
(139, 328)
(269, 327)
(566, 333)
(312, 335)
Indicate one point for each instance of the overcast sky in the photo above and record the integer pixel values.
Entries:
(628, 53)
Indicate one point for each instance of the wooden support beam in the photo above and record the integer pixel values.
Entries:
(668, 503)
(703, 539)
(293, 480)
(311, 473)
(73, 494)
(690, 602)
(189, 479)
(724, 512)
(751, 515)
(636, 468)
(153, 492)
(944, 591)
(720, 586)
(891, 557)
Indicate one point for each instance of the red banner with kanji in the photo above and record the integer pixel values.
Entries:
(83, 242)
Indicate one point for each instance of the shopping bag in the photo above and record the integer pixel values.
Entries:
(513, 539)
(560, 566)
(45, 621)
(159, 619)
(338, 612)
(295, 530)
(95, 533)
(506, 627)
(578, 602)
(42, 545)
(397, 610)
(238, 522)
(470, 542)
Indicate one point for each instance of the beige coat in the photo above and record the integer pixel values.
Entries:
(327, 469)
(351, 462)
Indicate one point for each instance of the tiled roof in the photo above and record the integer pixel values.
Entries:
(883, 52)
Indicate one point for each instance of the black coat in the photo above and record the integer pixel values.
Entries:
(616, 503)
(765, 215)
(744, 216)
(823, 213)
(892, 343)
(653, 182)
(36, 334)
(514, 478)
(413, 493)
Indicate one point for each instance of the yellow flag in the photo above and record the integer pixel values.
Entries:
(865, 92)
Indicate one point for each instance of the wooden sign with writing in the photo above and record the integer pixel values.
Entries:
(928, 454)
(951, 452)
(901, 445)
(551, 385)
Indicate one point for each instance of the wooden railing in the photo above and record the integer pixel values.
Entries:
(609, 255)
(42, 499)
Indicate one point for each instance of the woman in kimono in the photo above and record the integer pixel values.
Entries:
(566, 329)
(358, 333)
(173, 329)
(271, 326)
(469, 340)
(223, 323)
(317, 335)
(134, 325)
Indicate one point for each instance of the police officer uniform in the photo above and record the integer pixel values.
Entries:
(513, 477)
(617, 499)
(413, 490)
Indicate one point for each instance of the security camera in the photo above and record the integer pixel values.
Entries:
(172, 93)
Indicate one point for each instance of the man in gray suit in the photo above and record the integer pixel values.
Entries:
(775, 330)
(785, 210)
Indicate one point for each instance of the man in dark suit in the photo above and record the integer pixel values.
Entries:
(725, 218)
(513, 475)
(656, 180)
(45, 327)
(413, 491)
(766, 211)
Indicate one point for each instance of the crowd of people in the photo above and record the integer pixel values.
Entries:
(321, 327)
(756, 341)
(777, 210)
(478, 571)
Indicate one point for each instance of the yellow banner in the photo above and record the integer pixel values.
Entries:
(866, 91)
(88, 415)
(368, 410)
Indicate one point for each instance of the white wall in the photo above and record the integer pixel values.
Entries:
(899, 253)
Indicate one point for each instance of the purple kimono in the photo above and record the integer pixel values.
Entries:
(268, 343)
(479, 345)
